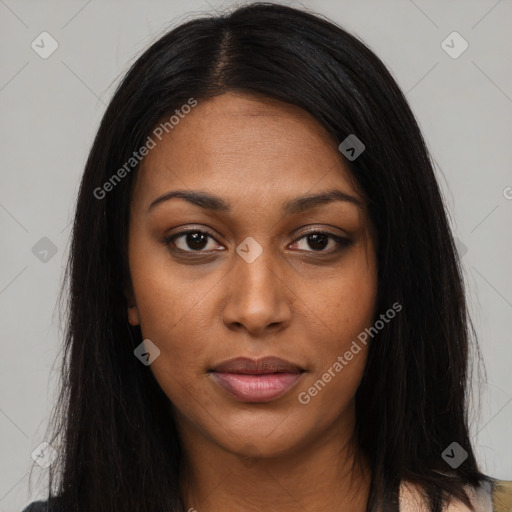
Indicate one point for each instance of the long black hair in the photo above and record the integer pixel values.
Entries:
(117, 442)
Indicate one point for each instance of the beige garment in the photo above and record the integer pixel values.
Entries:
(490, 497)
(411, 500)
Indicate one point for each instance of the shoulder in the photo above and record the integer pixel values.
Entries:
(492, 496)
(36, 506)
(502, 496)
(50, 505)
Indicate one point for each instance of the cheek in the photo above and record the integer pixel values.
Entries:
(171, 314)
(344, 309)
(355, 309)
(345, 304)
(167, 298)
(340, 356)
(180, 336)
(174, 318)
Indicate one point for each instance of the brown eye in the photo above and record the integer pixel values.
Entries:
(318, 241)
(190, 241)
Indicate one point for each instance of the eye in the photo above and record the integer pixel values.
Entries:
(319, 240)
(190, 241)
(197, 241)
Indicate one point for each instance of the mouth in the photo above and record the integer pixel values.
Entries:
(262, 380)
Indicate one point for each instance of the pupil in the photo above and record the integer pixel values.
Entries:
(196, 240)
(314, 243)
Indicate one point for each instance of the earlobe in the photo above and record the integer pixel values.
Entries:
(133, 312)
(133, 315)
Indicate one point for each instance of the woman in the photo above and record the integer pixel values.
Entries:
(267, 310)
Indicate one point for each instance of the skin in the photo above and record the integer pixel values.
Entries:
(304, 305)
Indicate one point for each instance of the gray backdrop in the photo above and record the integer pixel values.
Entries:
(52, 98)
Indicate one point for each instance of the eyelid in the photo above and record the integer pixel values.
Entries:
(323, 230)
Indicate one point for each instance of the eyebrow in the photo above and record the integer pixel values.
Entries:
(300, 204)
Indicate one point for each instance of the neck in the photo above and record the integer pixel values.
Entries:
(330, 475)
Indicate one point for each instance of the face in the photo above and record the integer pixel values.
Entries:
(250, 265)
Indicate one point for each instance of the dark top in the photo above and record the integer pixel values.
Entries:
(36, 506)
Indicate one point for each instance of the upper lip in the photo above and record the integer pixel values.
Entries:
(250, 366)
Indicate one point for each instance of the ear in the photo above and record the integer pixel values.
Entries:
(133, 315)
(133, 312)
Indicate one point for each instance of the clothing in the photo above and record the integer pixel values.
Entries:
(493, 497)
(496, 497)
(502, 496)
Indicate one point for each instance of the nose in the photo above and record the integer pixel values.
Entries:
(258, 298)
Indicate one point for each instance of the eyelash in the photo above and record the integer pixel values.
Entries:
(342, 242)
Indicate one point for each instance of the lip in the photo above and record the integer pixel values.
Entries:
(256, 380)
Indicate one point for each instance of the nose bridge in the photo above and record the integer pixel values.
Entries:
(257, 297)
(255, 270)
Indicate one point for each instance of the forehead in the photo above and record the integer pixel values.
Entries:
(237, 145)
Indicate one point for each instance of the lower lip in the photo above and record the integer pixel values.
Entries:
(256, 388)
